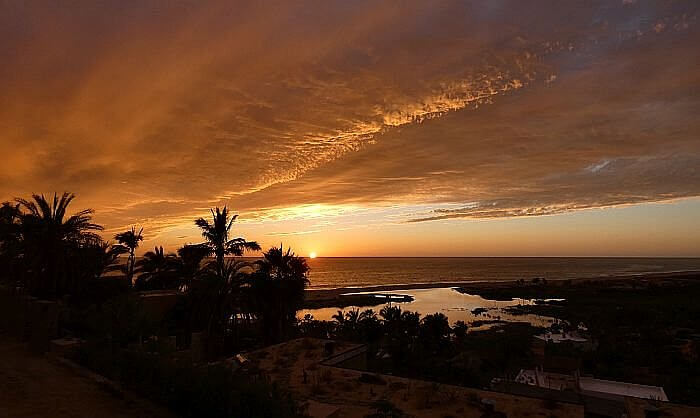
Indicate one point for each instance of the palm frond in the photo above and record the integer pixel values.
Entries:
(29, 206)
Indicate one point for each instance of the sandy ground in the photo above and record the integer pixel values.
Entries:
(341, 393)
(330, 391)
(38, 386)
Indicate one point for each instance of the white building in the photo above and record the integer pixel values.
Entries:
(589, 386)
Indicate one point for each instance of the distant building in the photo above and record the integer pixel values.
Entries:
(575, 339)
(157, 304)
(557, 338)
(589, 386)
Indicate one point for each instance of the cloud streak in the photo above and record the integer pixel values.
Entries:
(153, 111)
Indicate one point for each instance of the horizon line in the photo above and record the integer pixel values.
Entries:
(493, 256)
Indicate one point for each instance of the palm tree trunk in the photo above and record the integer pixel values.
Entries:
(130, 272)
(220, 262)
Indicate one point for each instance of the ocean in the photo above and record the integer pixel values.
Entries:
(374, 271)
(328, 273)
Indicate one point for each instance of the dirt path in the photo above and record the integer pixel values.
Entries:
(36, 386)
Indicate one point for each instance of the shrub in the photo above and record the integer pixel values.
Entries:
(208, 391)
(386, 409)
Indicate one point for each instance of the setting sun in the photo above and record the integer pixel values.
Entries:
(312, 254)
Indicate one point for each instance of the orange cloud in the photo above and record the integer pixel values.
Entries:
(153, 111)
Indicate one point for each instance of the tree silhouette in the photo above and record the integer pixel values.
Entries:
(50, 241)
(358, 325)
(370, 325)
(217, 237)
(157, 270)
(401, 327)
(353, 316)
(460, 332)
(189, 262)
(435, 330)
(277, 288)
(400, 322)
(217, 295)
(9, 224)
(9, 240)
(130, 240)
(91, 261)
(339, 318)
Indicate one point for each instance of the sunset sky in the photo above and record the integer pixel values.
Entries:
(364, 128)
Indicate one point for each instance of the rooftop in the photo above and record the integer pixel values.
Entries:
(589, 385)
(561, 337)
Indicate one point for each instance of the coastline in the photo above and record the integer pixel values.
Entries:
(316, 298)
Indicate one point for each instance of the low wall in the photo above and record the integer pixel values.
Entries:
(159, 303)
(13, 312)
(354, 358)
(28, 318)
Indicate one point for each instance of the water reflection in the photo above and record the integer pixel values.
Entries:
(455, 305)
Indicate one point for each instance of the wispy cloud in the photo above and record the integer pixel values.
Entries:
(153, 111)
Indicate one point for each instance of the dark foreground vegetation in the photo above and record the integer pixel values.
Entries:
(639, 330)
(47, 254)
(205, 391)
(646, 331)
(402, 343)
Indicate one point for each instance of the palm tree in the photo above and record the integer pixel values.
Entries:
(157, 270)
(217, 238)
(130, 240)
(390, 314)
(9, 223)
(278, 287)
(49, 239)
(400, 322)
(108, 257)
(280, 265)
(339, 318)
(400, 327)
(347, 322)
(435, 330)
(410, 322)
(9, 239)
(353, 316)
(92, 261)
(189, 262)
(460, 330)
(216, 295)
(371, 326)
(368, 315)
(357, 325)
